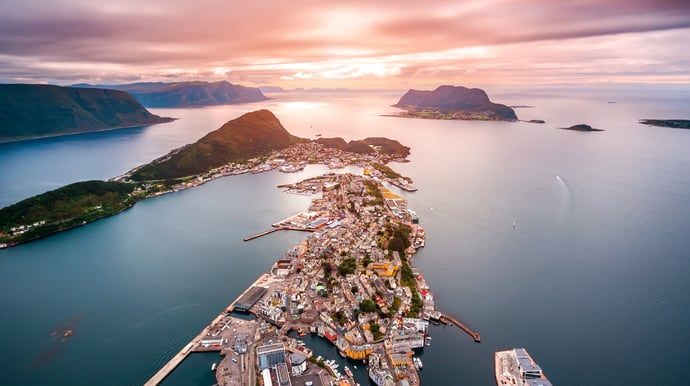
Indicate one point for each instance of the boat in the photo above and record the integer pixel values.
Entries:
(348, 372)
(342, 354)
(417, 363)
(213, 366)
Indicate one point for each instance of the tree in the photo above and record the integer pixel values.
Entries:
(367, 305)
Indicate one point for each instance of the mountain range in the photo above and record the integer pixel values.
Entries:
(187, 94)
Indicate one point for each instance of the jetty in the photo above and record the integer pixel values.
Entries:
(264, 233)
(445, 318)
(190, 347)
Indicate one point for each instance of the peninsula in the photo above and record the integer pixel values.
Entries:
(350, 282)
(255, 142)
(673, 123)
(188, 94)
(34, 110)
(453, 102)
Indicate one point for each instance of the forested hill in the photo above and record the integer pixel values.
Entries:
(33, 110)
(253, 134)
(188, 94)
(454, 102)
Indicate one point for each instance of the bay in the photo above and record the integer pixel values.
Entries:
(592, 279)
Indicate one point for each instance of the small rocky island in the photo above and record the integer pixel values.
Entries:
(581, 127)
(453, 102)
(673, 123)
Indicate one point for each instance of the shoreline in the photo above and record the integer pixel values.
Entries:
(33, 138)
(389, 321)
(260, 166)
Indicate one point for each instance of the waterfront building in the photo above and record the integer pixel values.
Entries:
(526, 366)
(283, 375)
(211, 341)
(266, 375)
(270, 355)
(298, 364)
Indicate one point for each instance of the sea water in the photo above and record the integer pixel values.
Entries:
(572, 245)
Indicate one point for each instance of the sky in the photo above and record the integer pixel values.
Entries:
(384, 44)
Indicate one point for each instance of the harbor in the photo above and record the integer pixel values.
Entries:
(348, 283)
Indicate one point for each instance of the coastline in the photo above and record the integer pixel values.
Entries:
(349, 306)
(32, 138)
(315, 153)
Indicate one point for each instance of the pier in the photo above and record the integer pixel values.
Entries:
(475, 335)
(189, 347)
(264, 233)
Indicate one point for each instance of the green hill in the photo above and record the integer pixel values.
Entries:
(188, 94)
(367, 146)
(251, 135)
(32, 110)
(63, 208)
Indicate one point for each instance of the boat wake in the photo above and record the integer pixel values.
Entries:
(165, 312)
(565, 203)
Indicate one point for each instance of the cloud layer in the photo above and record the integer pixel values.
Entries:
(386, 43)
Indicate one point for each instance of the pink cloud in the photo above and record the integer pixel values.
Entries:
(361, 43)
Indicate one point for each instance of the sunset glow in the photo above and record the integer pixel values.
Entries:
(383, 44)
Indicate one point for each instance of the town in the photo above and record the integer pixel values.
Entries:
(350, 281)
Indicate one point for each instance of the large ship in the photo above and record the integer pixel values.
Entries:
(517, 368)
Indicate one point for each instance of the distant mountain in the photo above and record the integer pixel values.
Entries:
(251, 135)
(33, 110)
(271, 89)
(367, 146)
(299, 89)
(454, 102)
(188, 94)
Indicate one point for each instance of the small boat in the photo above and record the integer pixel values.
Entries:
(213, 366)
(348, 372)
(417, 363)
(354, 367)
(342, 354)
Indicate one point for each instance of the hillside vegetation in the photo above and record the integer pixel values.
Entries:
(252, 135)
(189, 94)
(454, 102)
(31, 110)
(63, 208)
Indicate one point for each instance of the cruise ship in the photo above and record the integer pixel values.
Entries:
(517, 368)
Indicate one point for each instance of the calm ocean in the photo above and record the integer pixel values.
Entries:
(592, 280)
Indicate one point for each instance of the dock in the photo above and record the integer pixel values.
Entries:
(264, 233)
(189, 347)
(475, 335)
